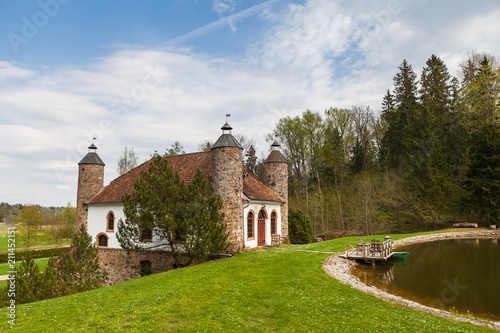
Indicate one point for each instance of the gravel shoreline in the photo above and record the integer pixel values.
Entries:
(340, 269)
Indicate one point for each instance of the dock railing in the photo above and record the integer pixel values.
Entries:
(369, 249)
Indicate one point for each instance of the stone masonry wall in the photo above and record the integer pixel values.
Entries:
(227, 178)
(90, 182)
(122, 266)
(276, 178)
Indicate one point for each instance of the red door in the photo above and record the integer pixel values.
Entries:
(261, 232)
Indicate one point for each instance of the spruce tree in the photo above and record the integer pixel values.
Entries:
(434, 176)
(483, 176)
(404, 120)
(251, 161)
(480, 96)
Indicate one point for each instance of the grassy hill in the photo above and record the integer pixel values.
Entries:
(273, 290)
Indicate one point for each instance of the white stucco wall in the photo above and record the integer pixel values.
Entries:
(97, 221)
(256, 206)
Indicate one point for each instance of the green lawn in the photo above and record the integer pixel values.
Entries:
(41, 262)
(4, 267)
(4, 241)
(268, 290)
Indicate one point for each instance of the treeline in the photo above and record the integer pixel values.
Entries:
(430, 158)
(35, 224)
(12, 211)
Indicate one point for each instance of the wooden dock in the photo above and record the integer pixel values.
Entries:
(372, 250)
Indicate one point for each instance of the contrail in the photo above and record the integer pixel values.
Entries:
(223, 21)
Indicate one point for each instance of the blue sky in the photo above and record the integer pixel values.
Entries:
(145, 74)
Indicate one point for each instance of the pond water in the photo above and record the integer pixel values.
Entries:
(459, 275)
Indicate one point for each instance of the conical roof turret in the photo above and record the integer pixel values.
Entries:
(226, 139)
(92, 157)
(275, 155)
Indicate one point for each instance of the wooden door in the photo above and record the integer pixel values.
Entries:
(261, 232)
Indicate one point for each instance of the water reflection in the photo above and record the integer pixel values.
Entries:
(456, 275)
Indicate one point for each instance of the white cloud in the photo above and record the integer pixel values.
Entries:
(316, 55)
(10, 71)
(223, 7)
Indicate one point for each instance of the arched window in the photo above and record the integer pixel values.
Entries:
(110, 226)
(273, 223)
(102, 240)
(250, 219)
(262, 214)
(146, 235)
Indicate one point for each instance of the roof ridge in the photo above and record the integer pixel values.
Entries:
(149, 161)
(199, 152)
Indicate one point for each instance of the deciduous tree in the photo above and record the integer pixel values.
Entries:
(29, 223)
(127, 161)
(58, 227)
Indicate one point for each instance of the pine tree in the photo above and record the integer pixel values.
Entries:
(205, 230)
(164, 206)
(31, 284)
(75, 271)
(78, 269)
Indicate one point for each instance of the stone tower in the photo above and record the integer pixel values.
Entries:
(227, 177)
(90, 182)
(276, 178)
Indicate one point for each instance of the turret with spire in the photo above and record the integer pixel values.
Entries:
(227, 177)
(276, 178)
(90, 182)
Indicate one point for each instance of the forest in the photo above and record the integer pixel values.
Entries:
(430, 158)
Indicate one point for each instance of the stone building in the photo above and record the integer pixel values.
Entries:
(256, 213)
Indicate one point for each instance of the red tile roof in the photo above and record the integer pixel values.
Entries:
(254, 189)
(186, 166)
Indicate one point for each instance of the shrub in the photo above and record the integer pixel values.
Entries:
(299, 227)
(75, 271)
(42, 253)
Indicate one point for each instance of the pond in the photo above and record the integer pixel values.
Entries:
(458, 275)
